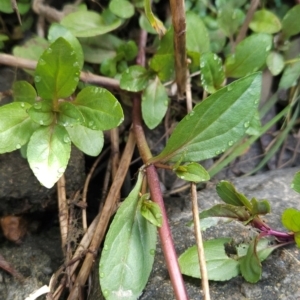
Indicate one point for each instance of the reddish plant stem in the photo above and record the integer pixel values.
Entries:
(156, 195)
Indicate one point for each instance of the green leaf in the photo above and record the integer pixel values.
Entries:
(155, 103)
(69, 114)
(192, 172)
(57, 71)
(230, 19)
(57, 30)
(163, 65)
(230, 195)
(250, 265)
(291, 219)
(265, 21)
(121, 8)
(128, 50)
(290, 75)
(250, 55)
(260, 207)
(217, 40)
(99, 108)
(275, 63)
(15, 126)
(151, 212)
(197, 39)
(41, 112)
(48, 153)
(134, 79)
(109, 67)
(214, 124)
(290, 22)
(23, 6)
(128, 252)
(255, 125)
(145, 24)
(24, 92)
(88, 23)
(228, 211)
(220, 267)
(212, 73)
(85, 139)
(296, 182)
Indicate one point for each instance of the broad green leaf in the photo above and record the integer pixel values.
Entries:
(134, 79)
(99, 48)
(24, 92)
(296, 182)
(41, 112)
(155, 103)
(57, 30)
(128, 252)
(99, 108)
(255, 125)
(163, 65)
(230, 195)
(291, 219)
(214, 124)
(290, 75)
(235, 3)
(220, 267)
(85, 139)
(88, 23)
(23, 6)
(192, 172)
(197, 39)
(31, 49)
(57, 71)
(250, 55)
(250, 265)
(166, 45)
(228, 211)
(260, 207)
(121, 8)
(212, 73)
(109, 67)
(48, 153)
(69, 114)
(275, 63)
(290, 22)
(265, 21)
(145, 24)
(151, 212)
(15, 126)
(230, 19)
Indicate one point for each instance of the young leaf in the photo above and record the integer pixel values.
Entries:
(15, 126)
(296, 182)
(261, 207)
(163, 65)
(128, 252)
(192, 172)
(41, 112)
(134, 79)
(230, 195)
(48, 153)
(151, 211)
(69, 114)
(250, 55)
(24, 92)
(88, 24)
(290, 22)
(99, 108)
(214, 124)
(85, 139)
(128, 50)
(212, 73)
(275, 63)
(250, 265)
(155, 103)
(290, 75)
(220, 267)
(265, 21)
(57, 71)
(56, 30)
(291, 219)
(121, 8)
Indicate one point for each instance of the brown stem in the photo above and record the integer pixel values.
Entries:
(108, 208)
(249, 16)
(199, 241)
(179, 24)
(10, 60)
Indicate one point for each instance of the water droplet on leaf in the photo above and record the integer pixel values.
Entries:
(230, 143)
(76, 64)
(105, 247)
(22, 104)
(49, 50)
(247, 124)
(67, 138)
(229, 88)
(37, 105)
(105, 293)
(37, 78)
(215, 56)
(42, 62)
(72, 53)
(41, 122)
(101, 274)
(218, 152)
(76, 78)
(152, 251)
(268, 48)
(91, 123)
(18, 146)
